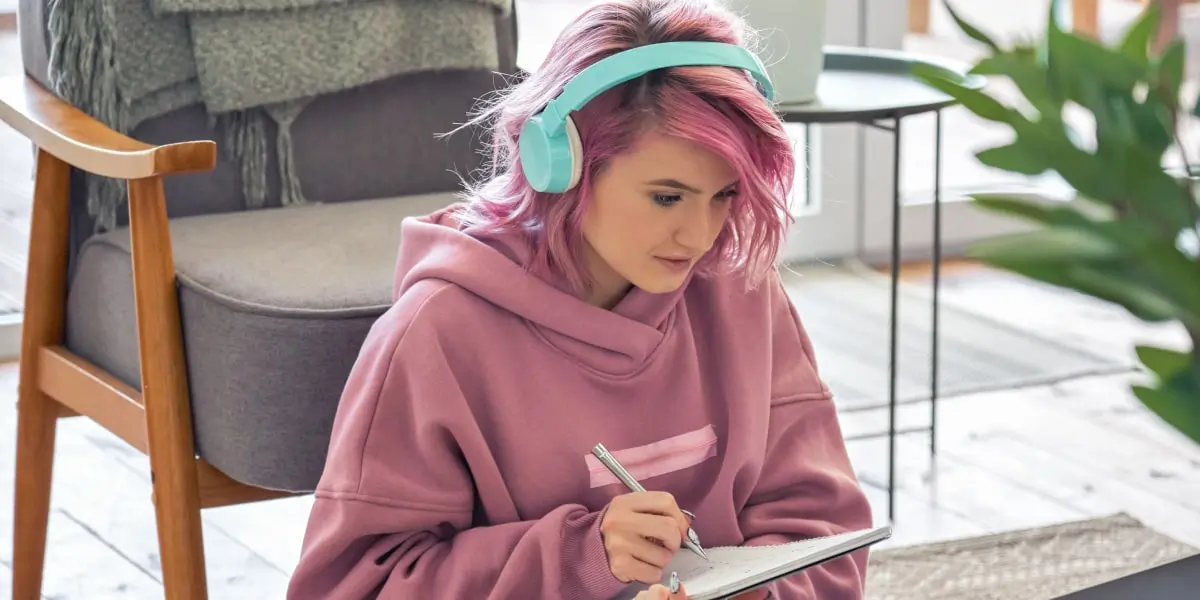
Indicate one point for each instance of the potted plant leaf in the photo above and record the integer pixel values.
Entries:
(1131, 236)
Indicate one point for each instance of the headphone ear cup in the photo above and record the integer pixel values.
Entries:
(576, 146)
(546, 159)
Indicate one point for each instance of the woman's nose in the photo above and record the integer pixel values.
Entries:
(695, 232)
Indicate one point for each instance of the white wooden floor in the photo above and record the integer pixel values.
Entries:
(1006, 460)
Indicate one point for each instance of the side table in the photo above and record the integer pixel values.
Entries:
(876, 88)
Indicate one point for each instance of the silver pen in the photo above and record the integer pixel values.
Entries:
(608, 460)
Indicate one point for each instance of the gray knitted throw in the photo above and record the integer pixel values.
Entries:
(126, 61)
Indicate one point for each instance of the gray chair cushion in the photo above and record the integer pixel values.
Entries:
(275, 304)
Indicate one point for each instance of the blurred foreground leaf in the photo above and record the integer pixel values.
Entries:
(1124, 247)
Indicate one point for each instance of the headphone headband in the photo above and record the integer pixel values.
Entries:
(635, 62)
(549, 145)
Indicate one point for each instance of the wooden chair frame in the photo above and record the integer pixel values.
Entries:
(55, 383)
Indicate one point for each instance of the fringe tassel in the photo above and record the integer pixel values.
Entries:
(245, 142)
(84, 73)
(244, 135)
(285, 113)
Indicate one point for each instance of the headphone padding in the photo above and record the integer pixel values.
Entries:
(576, 146)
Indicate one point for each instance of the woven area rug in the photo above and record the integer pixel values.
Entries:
(1031, 564)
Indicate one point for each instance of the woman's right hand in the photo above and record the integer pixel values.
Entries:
(642, 531)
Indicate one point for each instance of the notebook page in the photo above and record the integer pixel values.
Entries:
(729, 568)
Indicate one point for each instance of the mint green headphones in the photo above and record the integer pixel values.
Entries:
(550, 149)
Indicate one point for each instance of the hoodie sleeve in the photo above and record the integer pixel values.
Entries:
(392, 516)
(807, 487)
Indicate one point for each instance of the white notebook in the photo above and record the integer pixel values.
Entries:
(732, 570)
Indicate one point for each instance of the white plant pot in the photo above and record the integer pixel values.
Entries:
(792, 40)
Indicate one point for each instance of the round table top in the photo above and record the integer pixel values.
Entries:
(866, 84)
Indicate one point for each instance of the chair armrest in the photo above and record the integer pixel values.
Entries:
(85, 143)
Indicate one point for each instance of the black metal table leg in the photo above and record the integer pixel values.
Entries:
(894, 319)
(893, 430)
(860, 86)
(937, 276)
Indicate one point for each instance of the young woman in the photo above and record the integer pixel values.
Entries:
(611, 281)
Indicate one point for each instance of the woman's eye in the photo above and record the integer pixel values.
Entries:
(666, 199)
(727, 195)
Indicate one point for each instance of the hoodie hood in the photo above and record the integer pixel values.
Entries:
(493, 267)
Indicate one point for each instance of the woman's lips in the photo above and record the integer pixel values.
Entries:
(677, 265)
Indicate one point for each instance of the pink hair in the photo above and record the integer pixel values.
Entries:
(717, 107)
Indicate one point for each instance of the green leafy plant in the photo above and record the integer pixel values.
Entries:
(1132, 236)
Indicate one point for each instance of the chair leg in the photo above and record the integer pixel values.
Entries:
(37, 413)
(165, 394)
(37, 418)
(180, 544)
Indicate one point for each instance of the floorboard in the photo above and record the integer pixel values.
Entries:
(1046, 454)
(947, 482)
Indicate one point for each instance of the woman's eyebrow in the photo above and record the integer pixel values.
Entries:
(676, 184)
(673, 183)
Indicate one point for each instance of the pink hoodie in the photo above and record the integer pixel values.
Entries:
(460, 463)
